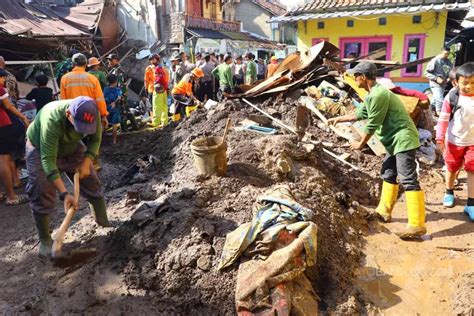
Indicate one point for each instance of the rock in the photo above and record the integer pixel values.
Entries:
(204, 263)
(284, 164)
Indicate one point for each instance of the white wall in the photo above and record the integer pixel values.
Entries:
(138, 19)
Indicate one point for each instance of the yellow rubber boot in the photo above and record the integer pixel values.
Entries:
(416, 216)
(387, 201)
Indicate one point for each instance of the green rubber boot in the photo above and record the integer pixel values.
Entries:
(100, 214)
(46, 242)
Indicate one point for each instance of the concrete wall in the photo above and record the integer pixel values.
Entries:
(253, 17)
(433, 26)
(139, 19)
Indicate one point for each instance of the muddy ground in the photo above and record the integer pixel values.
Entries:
(162, 259)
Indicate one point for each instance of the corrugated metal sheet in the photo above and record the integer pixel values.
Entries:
(334, 13)
(205, 33)
(235, 36)
(85, 15)
(19, 18)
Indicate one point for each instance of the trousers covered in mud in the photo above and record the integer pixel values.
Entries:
(402, 165)
(42, 193)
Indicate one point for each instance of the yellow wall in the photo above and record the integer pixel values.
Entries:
(206, 10)
(397, 26)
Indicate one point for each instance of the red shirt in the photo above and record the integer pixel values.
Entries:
(410, 93)
(161, 77)
(4, 118)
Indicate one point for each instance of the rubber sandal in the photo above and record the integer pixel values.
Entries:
(21, 199)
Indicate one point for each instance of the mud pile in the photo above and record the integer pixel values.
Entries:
(170, 251)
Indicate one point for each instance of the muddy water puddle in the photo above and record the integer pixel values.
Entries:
(419, 278)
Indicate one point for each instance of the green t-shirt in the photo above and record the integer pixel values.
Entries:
(53, 134)
(388, 120)
(101, 76)
(224, 73)
(251, 74)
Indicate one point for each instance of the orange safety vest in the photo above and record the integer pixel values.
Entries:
(79, 83)
(150, 78)
(184, 86)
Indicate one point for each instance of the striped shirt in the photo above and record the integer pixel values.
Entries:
(80, 83)
(459, 130)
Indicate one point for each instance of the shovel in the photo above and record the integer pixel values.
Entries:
(226, 130)
(58, 242)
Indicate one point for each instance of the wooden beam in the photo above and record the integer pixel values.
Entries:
(277, 121)
(340, 159)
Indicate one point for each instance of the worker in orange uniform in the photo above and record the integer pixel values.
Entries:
(183, 92)
(160, 96)
(149, 78)
(80, 83)
(273, 66)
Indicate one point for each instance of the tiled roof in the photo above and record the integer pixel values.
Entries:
(343, 5)
(324, 9)
(275, 8)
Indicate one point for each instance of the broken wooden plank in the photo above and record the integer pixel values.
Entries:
(374, 143)
(373, 55)
(277, 121)
(405, 65)
(340, 131)
(340, 159)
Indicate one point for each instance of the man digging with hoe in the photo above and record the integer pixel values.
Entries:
(390, 122)
(54, 146)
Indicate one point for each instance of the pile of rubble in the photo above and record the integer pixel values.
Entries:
(172, 245)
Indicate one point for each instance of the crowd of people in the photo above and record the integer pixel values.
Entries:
(66, 134)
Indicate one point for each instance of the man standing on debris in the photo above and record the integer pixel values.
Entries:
(390, 122)
(149, 78)
(160, 95)
(206, 85)
(116, 69)
(177, 70)
(251, 69)
(238, 70)
(261, 69)
(226, 81)
(55, 145)
(80, 83)
(437, 72)
(94, 64)
(183, 91)
(273, 66)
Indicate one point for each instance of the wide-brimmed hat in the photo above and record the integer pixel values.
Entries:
(85, 113)
(93, 61)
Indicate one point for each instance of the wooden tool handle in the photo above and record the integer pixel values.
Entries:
(58, 241)
(226, 130)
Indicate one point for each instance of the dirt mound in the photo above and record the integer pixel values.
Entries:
(464, 297)
(173, 250)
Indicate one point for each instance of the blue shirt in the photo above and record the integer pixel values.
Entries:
(111, 94)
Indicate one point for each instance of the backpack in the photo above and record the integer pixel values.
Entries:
(453, 97)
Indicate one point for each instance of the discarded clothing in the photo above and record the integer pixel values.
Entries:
(277, 245)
